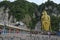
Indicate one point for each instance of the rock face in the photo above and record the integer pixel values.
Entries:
(4, 16)
(38, 26)
(1, 14)
(12, 19)
(6, 20)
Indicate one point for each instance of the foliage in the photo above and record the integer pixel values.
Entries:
(20, 8)
(55, 23)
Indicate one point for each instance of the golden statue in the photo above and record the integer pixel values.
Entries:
(45, 19)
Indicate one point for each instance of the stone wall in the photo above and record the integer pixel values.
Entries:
(28, 37)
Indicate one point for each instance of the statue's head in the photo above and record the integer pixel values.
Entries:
(44, 13)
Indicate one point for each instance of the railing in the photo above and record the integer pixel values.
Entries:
(28, 37)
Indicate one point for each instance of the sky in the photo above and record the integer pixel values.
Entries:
(43, 1)
(40, 1)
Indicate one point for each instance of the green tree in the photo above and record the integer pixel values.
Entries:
(55, 23)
